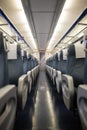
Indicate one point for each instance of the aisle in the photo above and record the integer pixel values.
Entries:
(45, 110)
(44, 116)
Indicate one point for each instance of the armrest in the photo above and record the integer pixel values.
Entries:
(54, 76)
(29, 75)
(68, 90)
(58, 81)
(33, 75)
(82, 104)
(59, 75)
(8, 103)
(29, 81)
(22, 91)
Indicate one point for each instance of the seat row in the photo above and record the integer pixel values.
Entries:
(69, 75)
(18, 72)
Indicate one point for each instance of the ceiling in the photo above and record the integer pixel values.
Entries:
(71, 11)
(42, 16)
(43, 12)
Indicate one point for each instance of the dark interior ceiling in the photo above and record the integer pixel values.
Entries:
(42, 16)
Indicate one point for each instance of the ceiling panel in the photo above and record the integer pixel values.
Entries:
(42, 40)
(42, 22)
(42, 12)
(43, 5)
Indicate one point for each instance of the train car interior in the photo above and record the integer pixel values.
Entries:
(43, 64)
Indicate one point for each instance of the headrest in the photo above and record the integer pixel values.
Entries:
(12, 53)
(31, 57)
(76, 50)
(25, 54)
(71, 50)
(1, 42)
(58, 55)
(61, 55)
(79, 50)
(65, 54)
(28, 56)
(18, 50)
(22, 53)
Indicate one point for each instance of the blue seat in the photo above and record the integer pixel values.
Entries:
(58, 72)
(82, 96)
(8, 97)
(30, 62)
(16, 74)
(25, 63)
(74, 76)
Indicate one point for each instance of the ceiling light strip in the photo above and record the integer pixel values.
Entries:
(2, 14)
(74, 24)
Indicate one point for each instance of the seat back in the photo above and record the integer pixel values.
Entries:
(82, 96)
(85, 73)
(64, 62)
(15, 63)
(30, 64)
(3, 63)
(75, 64)
(25, 63)
(8, 97)
(16, 76)
(60, 60)
(55, 59)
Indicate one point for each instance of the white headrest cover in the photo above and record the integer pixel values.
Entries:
(27, 55)
(12, 53)
(59, 56)
(79, 50)
(22, 52)
(65, 54)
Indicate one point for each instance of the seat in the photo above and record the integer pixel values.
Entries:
(82, 97)
(27, 68)
(29, 62)
(55, 62)
(25, 62)
(49, 68)
(58, 72)
(33, 71)
(15, 73)
(29, 73)
(8, 97)
(74, 76)
(32, 74)
(61, 68)
(64, 62)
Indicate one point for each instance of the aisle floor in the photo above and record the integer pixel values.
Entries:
(45, 110)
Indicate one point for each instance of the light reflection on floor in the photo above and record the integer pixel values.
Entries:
(44, 115)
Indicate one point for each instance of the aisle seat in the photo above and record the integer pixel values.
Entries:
(74, 76)
(8, 97)
(16, 76)
(58, 72)
(25, 62)
(82, 96)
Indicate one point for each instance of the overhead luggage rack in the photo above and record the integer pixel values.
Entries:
(75, 32)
